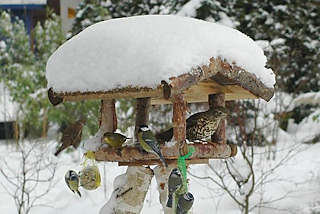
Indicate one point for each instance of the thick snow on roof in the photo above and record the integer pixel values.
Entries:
(141, 51)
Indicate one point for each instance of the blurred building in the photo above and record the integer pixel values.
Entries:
(68, 13)
(33, 11)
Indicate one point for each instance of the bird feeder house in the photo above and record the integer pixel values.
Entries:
(85, 62)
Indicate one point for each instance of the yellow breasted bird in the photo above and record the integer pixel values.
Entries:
(149, 143)
(115, 140)
(71, 136)
(72, 180)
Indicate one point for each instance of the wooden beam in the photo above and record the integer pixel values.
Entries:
(113, 94)
(142, 115)
(179, 122)
(218, 100)
(133, 154)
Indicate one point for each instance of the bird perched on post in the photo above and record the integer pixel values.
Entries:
(115, 140)
(71, 136)
(72, 180)
(199, 125)
(174, 183)
(185, 203)
(149, 143)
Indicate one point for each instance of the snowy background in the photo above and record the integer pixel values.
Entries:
(286, 165)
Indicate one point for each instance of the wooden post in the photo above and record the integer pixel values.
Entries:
(218, 100)
(142, 115)
(108, 120)
(179, 122)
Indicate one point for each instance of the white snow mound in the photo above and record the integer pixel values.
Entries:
(141, 51)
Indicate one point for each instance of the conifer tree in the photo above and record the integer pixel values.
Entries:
(89, 12)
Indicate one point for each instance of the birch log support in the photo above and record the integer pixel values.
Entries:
(218, 100)
(130, 189)
(179, 122)
(162, 175)
(129, 192)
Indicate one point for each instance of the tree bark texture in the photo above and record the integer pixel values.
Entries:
(179, 122)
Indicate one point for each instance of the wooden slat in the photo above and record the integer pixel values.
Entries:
(157, 162)
(116, 94)
(133, 154)
(199, 93)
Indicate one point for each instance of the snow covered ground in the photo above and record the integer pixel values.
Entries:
(300, 176)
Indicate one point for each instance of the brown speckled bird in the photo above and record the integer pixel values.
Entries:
(200, 125)
(71, 136)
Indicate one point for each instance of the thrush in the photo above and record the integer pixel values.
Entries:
(71, 136)
(200, 125)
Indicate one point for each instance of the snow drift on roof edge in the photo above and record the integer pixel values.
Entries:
(141, 51)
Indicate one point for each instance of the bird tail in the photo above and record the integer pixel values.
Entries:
(58, 151)
(169, 202)
(165, 136)
(79, 193)
(162, 160)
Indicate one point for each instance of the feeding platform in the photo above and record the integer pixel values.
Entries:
(110, 60)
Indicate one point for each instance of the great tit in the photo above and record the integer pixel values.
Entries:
(149, 143)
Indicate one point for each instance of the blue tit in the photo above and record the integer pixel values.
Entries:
(72, 180)
(115, 140)
(149, 143)
(185, 203)
(174, 183)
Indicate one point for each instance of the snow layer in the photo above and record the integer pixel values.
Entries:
(23, 1)
(312, 98)
(141, 51)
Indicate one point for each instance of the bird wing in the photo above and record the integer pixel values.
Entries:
(193, 119)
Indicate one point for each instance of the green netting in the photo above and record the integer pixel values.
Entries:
(183, 169)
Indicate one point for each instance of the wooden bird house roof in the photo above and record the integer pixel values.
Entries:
(218, 77)
(158, 56)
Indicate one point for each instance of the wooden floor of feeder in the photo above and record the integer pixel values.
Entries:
(132, 156)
